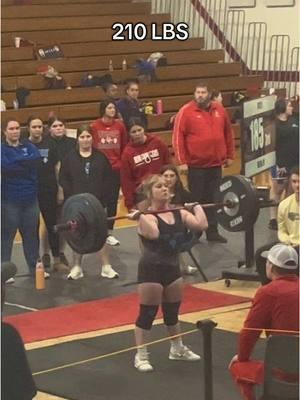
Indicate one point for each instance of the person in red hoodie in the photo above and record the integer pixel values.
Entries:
(144, 155)
(110, 137)
(203, 143)
(275, 306)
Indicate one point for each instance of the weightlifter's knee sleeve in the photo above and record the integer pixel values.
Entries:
(170, 313)
(146, 316)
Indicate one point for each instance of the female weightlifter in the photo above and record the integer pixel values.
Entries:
(159, 275)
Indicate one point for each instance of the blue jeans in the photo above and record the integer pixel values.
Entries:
(25, 218)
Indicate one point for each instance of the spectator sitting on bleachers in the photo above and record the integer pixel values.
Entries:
(111, 92)
(216, 95)
(128, 106)
(288, 224)
(110, 137)
(143, 155)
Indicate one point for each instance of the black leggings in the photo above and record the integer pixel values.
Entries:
(113, 197)
(48, 207)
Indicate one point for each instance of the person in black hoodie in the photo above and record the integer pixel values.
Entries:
(287, 152)
(47, 191)
(86, 170)
(62, 145)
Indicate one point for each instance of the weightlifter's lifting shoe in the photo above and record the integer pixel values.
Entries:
(141, 363)
(109, 272)
(75, 273)
(183, 354)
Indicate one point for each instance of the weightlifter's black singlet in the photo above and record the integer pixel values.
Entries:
(160, 262)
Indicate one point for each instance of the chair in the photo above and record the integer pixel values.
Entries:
(282, 352)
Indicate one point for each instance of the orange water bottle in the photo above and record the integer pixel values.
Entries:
(39, 275)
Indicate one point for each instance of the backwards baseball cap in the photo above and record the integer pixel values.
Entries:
(282, 255)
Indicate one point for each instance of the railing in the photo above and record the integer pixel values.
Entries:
(249, 43)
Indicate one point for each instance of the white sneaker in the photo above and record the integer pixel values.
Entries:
(109, 272)
(112, 241)
(76, 273)
(184, 354)
(10, 280)
(189, 270)
(46, 275)
(142, 364)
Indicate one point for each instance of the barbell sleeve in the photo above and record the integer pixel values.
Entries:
(68, 226)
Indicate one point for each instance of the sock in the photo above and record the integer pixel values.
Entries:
(176, 344)
(142, 353)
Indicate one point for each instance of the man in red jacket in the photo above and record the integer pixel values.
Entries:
(275, 306)
(203, 143)
(143, 155)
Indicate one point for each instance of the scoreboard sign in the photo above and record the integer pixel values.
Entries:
(258, 136)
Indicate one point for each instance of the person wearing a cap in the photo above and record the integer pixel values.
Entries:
(288, 225)
(275, 306)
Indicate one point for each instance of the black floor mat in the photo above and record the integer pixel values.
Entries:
(115, 378)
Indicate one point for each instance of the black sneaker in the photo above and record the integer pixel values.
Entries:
(215, 237)
(273, 224)
(46, 260)
(63, 259)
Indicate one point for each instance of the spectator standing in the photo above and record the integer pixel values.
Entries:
(19, 189)
(86, 170)
(63, 145)
(287, 152)
(110, 137)
(203, 143)
(47, 189)
(143, 155)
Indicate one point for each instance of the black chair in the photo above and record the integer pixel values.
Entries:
(282, 353)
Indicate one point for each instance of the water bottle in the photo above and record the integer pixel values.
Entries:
(159, 107)
(39, 275)
(16, 104)
(124, 65)
(110, 66)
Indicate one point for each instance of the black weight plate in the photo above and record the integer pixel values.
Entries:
(91, 233)
(245, 213)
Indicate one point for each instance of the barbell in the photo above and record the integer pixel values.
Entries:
(84, 220)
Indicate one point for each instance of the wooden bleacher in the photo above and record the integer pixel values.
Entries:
(83, 30)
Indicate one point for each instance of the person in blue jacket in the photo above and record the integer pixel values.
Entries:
(19, 207)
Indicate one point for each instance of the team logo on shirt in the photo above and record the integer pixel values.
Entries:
(108, 140)
(44, 154)
(146, 158)
(25, 151)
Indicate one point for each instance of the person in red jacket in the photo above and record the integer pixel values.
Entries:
(275, 306)
(203, 143)
(110, 137)
(144, 155)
